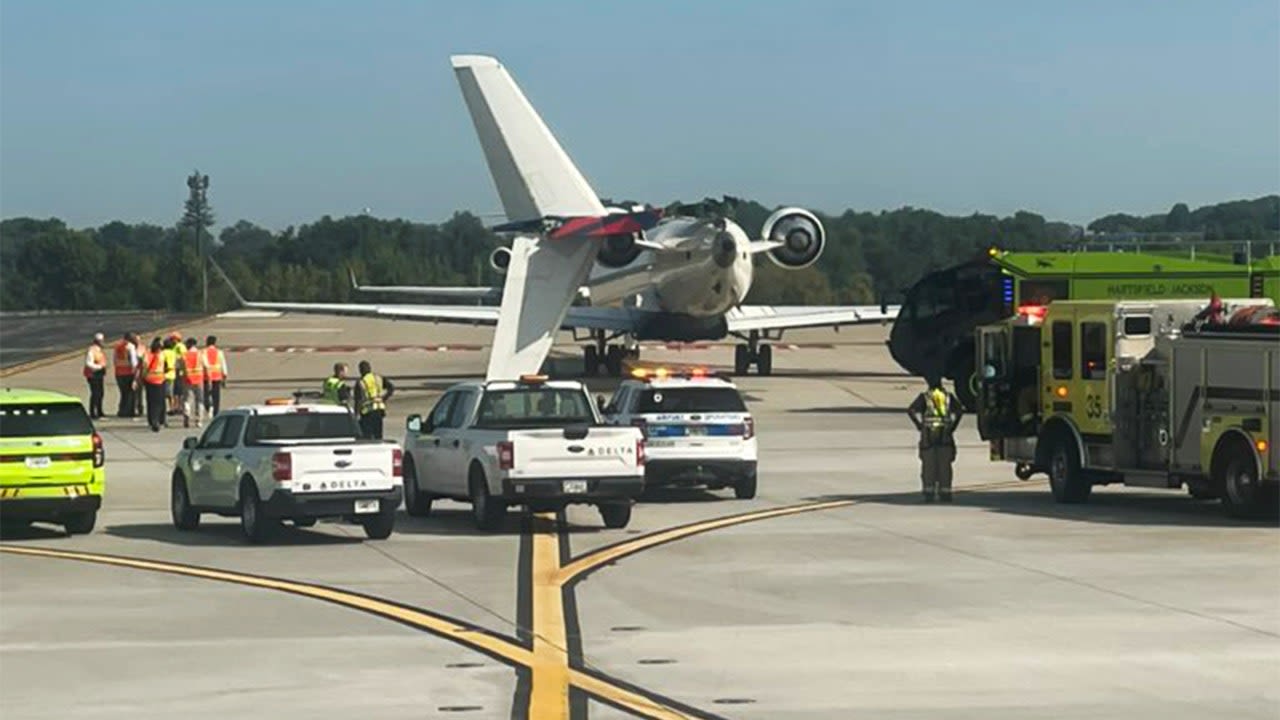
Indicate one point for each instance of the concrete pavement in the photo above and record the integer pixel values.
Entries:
(1139, 604)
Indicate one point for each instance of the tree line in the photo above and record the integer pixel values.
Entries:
(870, 257)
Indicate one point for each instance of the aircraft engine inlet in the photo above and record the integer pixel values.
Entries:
(499, 259)
(801, 235)
(617, 251)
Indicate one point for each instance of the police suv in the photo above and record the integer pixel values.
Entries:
(697, 429)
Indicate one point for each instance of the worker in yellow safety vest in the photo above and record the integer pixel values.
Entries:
(936, 414)
(170, 354)
(372, 393)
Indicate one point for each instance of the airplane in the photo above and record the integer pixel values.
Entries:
(646, 276)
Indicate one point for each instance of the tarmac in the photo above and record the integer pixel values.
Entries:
(834, 594)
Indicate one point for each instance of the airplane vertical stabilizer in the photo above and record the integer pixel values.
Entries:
(533, 174)
(541, 282)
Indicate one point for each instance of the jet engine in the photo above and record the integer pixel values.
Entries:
(499, 259)
(618, 251)
(801, 235)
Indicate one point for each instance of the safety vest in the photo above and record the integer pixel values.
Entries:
(153, 368)
(195, 373)
(372, 399)
(99, 358)
(212, 363)
(170, 363)
(332, 388)
(123, 368)
(937, 410)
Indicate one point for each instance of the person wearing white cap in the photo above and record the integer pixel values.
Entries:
(95, 371)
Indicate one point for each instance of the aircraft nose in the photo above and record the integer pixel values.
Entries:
(725, 249)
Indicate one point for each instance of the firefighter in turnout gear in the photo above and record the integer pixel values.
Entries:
(936, 414)
(372, 393)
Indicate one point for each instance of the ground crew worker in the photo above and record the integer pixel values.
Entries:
(215, 375)
(140, 352)
(175, 403)
(95, 371)
(125, 360)
(193, 385)
(936, 414)
(153, 380)
(372, 393)
(335, 388)
(170, 355)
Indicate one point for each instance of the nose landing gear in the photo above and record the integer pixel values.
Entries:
(604, 354)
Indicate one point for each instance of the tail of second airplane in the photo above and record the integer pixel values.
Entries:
(534, 176)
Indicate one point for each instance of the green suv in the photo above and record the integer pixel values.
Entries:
(51, 461)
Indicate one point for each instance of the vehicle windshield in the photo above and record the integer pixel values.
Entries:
(534, 408)
(301, 426)
(691, 399)
(44, 420)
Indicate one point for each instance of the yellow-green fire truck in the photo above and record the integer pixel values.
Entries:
(1156, 394)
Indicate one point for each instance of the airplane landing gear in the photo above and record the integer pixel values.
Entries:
(753, 352)
(602, 352)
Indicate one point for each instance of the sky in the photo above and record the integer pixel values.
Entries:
(297, 110)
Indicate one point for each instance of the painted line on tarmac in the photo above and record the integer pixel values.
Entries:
(466, 347)
(473, 637)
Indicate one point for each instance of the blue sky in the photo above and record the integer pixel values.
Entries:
(297, 110)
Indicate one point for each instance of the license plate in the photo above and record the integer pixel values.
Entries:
(38, 463)
(366, 506)
(573, 487)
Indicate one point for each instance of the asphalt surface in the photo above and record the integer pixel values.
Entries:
(833, 594)
(28, 337)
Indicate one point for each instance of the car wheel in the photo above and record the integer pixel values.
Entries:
(745, 488)
(487, 512)
(416, 502)
(615, 515)
(80, 523)
(764, 363)
(1068, 483)
(184, 517)
(379, 526)
(255, 526)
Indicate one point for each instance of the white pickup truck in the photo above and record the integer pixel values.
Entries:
(289, 461)
(532, 442)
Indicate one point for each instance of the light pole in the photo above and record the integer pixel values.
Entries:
(199, 186)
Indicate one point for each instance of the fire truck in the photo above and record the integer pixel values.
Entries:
(1157, 394)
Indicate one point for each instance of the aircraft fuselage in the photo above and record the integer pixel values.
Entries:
(701, 271)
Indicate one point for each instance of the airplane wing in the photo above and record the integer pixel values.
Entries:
(746, 318)
(580, 317)
(439, 291)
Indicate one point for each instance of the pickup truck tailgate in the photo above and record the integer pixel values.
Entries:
(603, 452)
(338, 467)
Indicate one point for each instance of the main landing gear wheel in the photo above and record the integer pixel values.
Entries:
(590, 360)
(613, 360)
(762, 358)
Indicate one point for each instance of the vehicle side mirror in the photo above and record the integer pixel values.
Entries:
(413, 423)
(190, 443)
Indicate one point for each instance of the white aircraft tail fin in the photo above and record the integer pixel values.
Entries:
(533, 174)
